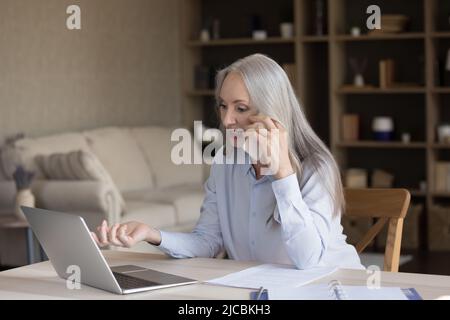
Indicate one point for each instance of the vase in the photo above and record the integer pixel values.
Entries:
(23, 198)
(358, 80)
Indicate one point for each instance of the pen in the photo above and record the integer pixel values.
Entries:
(261, 289)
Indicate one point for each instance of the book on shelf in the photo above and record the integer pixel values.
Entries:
(442, 176)
(350, 127)
(386, 73)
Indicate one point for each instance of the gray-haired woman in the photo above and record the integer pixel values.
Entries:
(291, 216)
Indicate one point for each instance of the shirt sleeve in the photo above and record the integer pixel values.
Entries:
(305, 216)
(206, 238)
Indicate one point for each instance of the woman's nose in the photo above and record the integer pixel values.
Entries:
(229, 118)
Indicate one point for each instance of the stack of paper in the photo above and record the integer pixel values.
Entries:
(272, 276)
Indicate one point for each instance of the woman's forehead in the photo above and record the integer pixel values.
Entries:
(233, 88)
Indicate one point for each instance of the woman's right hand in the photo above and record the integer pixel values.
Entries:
(126, 234)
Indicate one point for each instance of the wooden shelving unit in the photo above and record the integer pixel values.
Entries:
(313, 39)
(381, 145)
(398, 90)
(235, 43)
(440, 90)
(399, 36)
(238, 42)
(322, 73)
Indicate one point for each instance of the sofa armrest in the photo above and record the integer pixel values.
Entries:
(79, 196)
(7, 196)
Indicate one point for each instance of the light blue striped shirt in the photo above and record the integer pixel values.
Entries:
(234, 217)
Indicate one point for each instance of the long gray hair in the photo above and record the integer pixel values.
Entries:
(271, 92)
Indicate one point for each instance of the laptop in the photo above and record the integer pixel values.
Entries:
(68, 243)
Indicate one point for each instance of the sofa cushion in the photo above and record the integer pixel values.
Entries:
(157, 215)
(120, 154)
(76, 165)
(25, 150)
(186, 199)
(157, 147)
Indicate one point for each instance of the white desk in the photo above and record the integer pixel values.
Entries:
(39, 281)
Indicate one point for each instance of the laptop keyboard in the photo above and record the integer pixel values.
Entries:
(130, 282)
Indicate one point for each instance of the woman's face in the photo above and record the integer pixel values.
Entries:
(234, 103)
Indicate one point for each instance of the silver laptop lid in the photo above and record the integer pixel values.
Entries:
(67, 242)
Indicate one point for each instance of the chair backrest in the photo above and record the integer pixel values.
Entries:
(388, 205)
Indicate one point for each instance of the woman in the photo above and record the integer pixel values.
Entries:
(291, 216)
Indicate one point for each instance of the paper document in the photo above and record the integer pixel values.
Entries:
(272, 276)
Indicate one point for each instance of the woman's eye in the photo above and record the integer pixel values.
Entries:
(242, 108)
(222, 106)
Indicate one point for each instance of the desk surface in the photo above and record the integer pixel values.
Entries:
(39, 281)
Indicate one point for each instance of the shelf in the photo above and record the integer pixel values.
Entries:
(314, 38)
(200, 93)
(441, 194)
(376, 144)
(394, 36)
(441, 146)
(376, 90)
(441, 34)
(441, 90)
(240, 41)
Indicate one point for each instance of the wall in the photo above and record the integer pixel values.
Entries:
(121, 68)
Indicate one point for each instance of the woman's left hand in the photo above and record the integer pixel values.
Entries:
(273, 146)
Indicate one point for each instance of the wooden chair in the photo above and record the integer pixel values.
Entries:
(388, 205)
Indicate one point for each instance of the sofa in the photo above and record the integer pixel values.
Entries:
(151, 188)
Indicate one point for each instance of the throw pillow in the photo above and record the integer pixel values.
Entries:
(76, 165)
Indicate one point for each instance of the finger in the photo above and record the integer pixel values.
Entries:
(266, 120)
(112, 235)
(103, 233)
(255, 126)
(263, 148)
(253, 145)
(278, 124)
(94, 236)
(123, 237)
(251, 138)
